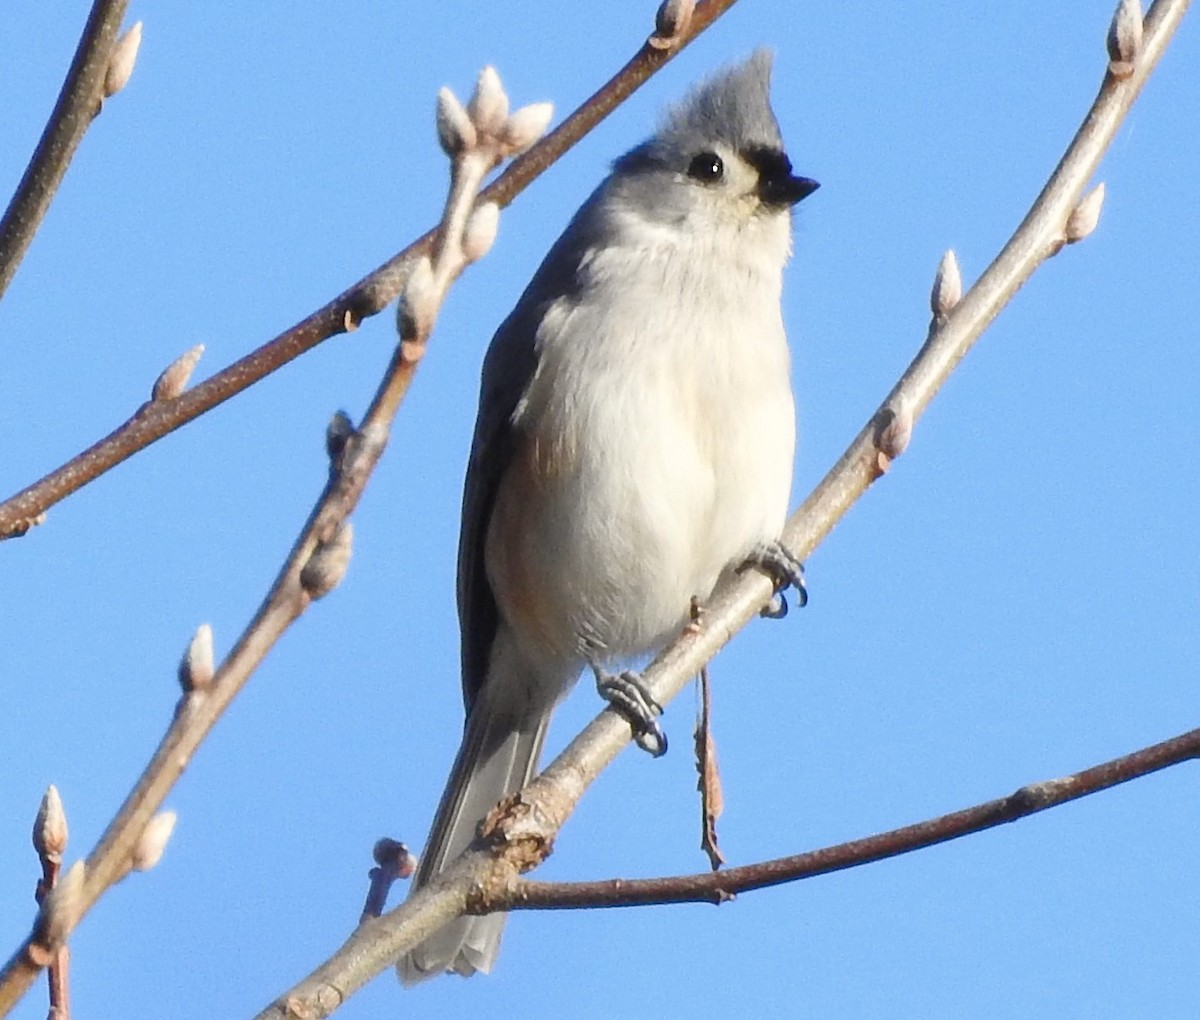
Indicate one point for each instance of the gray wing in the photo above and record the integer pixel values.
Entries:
(510, 364)
(507, 369)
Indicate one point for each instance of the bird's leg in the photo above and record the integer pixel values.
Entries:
(630, 696)
(779, 564)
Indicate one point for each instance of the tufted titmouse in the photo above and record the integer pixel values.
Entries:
(634, 443)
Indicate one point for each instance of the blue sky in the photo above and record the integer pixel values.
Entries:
(1015, 601)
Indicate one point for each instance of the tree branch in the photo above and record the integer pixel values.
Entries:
(77, 105)
(319, 555)
(718, 886)
(517, 836)
(365, 298)
(314, 567)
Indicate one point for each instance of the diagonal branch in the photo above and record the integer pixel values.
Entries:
(314, 566)
(367, 297)
(1040, 235)
(518, 836)
(718, 886)
(320, 554)
(77, 104)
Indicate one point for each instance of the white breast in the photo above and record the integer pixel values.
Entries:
(663, 430)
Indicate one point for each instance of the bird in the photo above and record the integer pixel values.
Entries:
(633, 446)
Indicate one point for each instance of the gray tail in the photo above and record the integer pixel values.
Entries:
(496, 759)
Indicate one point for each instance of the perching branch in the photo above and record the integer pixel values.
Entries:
(77, 105)
(517, 836)
(365, 298)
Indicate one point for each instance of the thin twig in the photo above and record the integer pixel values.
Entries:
(712, 797)
(355, 457)
(521, 837)
(314, 566)
(365, 298)
(77, 105)
(393, 861)
(1038, 237)
(719, 886)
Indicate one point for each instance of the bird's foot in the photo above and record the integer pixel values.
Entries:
(630, 696)
(779, 564)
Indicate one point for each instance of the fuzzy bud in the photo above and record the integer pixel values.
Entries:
(327, 565)
(148, 850)
(50, 826)
(1125, 38)
(1085, 216)
(175, 376)
(489, 103)
(339, 429)
(526, 126)
(196, 666)
(122, 61)
(947, 287)
(391, 853)
(894, 432)
(671, 21)
(418, 301)
(455, 131)
(480, 232)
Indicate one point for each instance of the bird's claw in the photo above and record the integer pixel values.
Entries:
(630, 696)
(777, 608)
(776, 561)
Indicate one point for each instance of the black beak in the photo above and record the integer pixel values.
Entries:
(785, 189)
(777, 185)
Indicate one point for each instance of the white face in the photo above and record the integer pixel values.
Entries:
(724, 189)
(730, 180)
(729, 203)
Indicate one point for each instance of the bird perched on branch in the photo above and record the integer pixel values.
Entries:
(634, 444)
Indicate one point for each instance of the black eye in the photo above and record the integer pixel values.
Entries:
(707, 167)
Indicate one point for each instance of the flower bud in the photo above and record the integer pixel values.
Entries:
(148, 850)
(947, 287)
(50, 826)
(455, 131)
(196, 666)
(327, 565)
(1085, 216)
(489, 103)
(895, 431)
(339, 429)
(418, 301)
(526, 126)
(122, 61)
(480, 232)
(671, 21)
(175, 376)
(1125, 38)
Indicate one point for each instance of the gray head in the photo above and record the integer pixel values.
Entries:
(722, 142)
